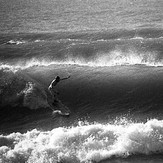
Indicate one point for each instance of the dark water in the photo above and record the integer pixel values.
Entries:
(113, 51)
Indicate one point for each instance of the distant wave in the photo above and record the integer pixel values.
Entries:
(83, 143)
(15, 42)
(81, 41)
(114, 58)
(84, 49)
(105, 35)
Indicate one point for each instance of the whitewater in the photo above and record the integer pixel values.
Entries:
(84, 143)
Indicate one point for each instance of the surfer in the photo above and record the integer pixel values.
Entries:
(51, 88)
(64, 111)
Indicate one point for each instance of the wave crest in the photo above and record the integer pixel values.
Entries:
(112, 58)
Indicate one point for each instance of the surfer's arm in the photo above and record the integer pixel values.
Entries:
(65, 78)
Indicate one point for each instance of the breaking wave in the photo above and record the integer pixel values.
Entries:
(114, 58)
(84, 49)
(84, 143)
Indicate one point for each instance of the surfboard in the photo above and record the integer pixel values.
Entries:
(61, 109)
(57, 113)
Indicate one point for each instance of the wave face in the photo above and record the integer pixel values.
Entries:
(94, 93)
(85, 143)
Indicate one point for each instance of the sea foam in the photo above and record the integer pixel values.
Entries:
(83, 143)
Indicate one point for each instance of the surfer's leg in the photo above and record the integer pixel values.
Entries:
(56, 105)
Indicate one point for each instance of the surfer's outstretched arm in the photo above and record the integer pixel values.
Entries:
(65, 78)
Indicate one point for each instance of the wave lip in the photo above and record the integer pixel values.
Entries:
(91, 142)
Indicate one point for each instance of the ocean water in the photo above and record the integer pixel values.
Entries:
(113, 51)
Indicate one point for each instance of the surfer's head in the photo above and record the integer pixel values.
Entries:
(57, 79)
